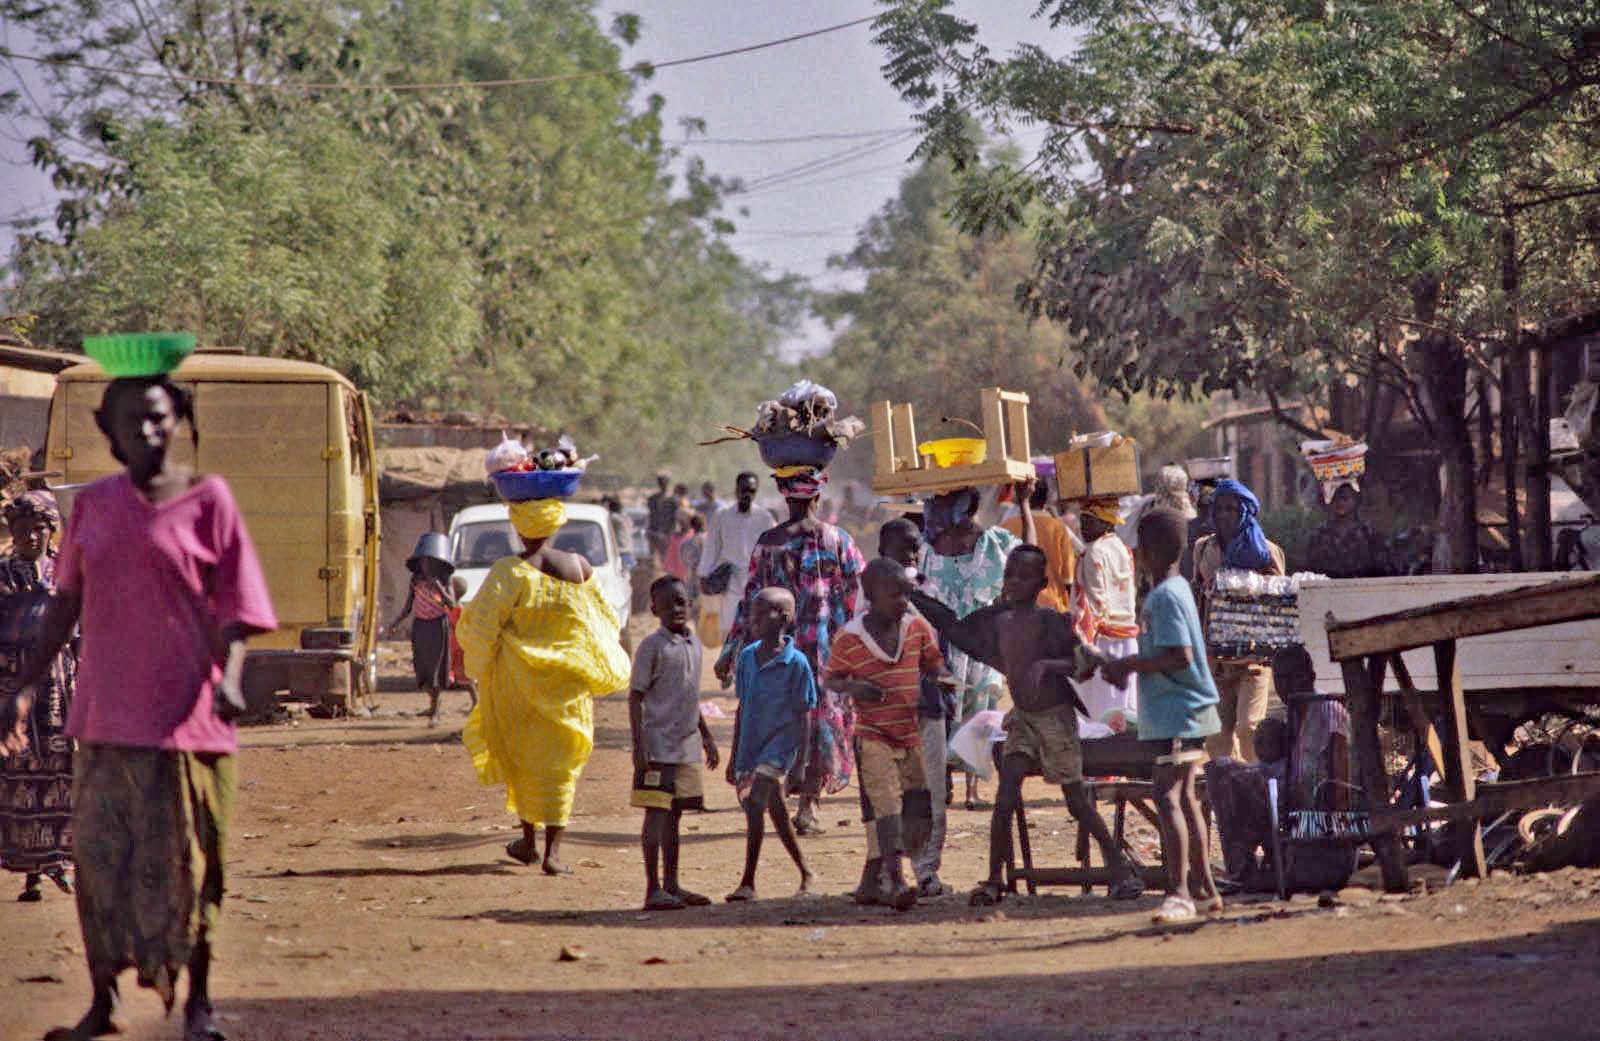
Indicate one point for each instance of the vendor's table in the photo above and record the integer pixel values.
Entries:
(1365, 649)
(1131, 762)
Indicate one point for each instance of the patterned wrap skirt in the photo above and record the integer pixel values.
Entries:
(149, 833)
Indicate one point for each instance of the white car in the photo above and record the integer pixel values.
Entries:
(481, 535)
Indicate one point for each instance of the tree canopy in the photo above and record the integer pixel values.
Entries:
(1289, 196)
(524, 250)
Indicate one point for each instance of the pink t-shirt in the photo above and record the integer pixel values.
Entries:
(152, 580)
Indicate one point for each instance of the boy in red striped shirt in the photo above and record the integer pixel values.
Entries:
(879, 661)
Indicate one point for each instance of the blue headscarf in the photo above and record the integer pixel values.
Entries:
(1248, 547)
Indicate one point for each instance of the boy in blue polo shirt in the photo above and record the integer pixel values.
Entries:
(1177, 711)
(776, 690)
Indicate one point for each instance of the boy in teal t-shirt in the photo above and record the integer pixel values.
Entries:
(1177, 710)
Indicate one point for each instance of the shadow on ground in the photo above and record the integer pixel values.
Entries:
(1503, 988)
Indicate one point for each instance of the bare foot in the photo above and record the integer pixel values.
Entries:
(95, 1023)
(555, 867)
(987, 895)
(807, 882)
(740, 895)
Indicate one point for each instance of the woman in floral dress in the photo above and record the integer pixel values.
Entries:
(820, 564)
(36, 786)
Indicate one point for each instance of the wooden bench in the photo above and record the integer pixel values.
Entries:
(1366, 649)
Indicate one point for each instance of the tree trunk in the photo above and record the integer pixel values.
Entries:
(1444, 389)
(1541, 547)
(1514, 382)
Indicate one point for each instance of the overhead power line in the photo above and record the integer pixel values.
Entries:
(642, 67)
(826, 162)
(796, 139)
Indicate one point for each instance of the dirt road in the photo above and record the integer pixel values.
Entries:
(370, 898)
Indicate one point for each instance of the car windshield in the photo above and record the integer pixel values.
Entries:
(482, 543)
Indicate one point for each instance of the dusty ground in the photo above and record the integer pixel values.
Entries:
(371, 899)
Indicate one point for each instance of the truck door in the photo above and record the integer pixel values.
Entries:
(269, 440)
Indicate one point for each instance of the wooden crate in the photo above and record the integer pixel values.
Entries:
(899, 470)
(1091, 472)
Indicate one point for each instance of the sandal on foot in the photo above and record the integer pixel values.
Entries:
(1129, 887)
(1175, 909)
(661, 900)
(691, 899)
(61, 880)
(550, 867)
(741, 895)
(30, 895)
(1208, 905)
(808, 826)
(931, 887)
(987, 895)
(522, 852)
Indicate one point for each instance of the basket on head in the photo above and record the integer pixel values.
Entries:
(139, 355)
(527, 485)
(796, 449)
(432, 545)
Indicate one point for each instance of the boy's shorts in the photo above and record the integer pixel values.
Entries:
(1048, 741)
(668, 786)
(888, 774)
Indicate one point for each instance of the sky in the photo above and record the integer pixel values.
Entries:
(830, 84)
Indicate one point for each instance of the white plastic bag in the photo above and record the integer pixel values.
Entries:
(974, 742)
(503, 456)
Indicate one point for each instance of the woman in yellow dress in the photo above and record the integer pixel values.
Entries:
(541, 642)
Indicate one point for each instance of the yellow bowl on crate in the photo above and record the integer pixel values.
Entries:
(955, 451)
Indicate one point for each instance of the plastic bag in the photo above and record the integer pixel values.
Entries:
(974, 742)
(506, 455)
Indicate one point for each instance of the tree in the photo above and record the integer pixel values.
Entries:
(521, 250)
(935, 320)
(1286, 197)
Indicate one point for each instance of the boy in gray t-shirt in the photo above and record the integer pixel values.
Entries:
(669, 736)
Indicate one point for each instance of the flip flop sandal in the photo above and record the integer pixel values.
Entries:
(692, 899)
(808, 827)
(1208, 905)
(1175, 909)
(31, 895)
(61, 880)
(741, 895)
(664, 901)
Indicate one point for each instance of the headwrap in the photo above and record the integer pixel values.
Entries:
(40, 505)
(1248, 547)
(939, 517)
(799, 482)
(1335, 464)
(538, 518)
(1172, 491)
(1106, 509)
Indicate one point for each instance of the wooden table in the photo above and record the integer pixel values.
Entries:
(1365, 650)
(1132, 762)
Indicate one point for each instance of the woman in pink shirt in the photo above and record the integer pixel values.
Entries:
(157, 570)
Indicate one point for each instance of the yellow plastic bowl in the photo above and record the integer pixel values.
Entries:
(955, 451)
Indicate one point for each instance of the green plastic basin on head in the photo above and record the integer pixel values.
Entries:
(137, 355)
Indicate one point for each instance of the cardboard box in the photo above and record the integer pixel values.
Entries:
(1099, 469)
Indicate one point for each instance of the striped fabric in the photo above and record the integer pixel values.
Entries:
(857, 656)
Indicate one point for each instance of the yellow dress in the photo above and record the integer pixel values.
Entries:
(540, 650)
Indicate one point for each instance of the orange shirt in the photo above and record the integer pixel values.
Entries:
(855, 655)
(1060, 557)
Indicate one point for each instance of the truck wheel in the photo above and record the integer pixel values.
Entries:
(261, 685)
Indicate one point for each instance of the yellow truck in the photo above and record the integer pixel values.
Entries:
(295, 443)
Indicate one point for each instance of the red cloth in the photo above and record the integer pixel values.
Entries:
(158, 585)
(458, 659)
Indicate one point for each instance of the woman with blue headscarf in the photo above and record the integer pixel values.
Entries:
(1238, 543)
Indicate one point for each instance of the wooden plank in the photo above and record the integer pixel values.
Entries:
(1552, 656)
(1497, 798)
(1468, 839)
(1569, 600)
(933, 480)
(904, 424)
(1418, 713)
(882, 437)
(1019, 442)
(1361, 699)
(992, 412)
